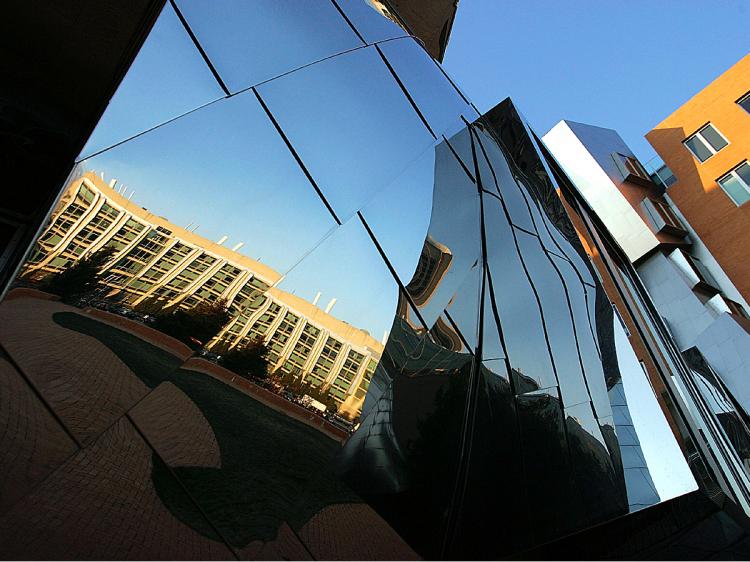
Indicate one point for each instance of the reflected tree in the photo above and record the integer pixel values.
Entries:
(79, 279)
(150, 305)
(321, 395)
(196, 326)
(250, 361)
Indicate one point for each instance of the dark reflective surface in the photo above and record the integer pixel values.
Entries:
(517, 304)
(318, 319)
(452, 246)
(404, 456)
(557, 318)
(721, 404)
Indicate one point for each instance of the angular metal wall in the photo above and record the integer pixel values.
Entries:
(289, 208)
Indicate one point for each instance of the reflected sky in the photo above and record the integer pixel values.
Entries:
(453, 237)
(436, 98)
(666, 463)
(347, 267)
(233, 32)
(516, 302)
(226, 171)
(370, 17)
(399, 215)
(167, 78)
(371, 131)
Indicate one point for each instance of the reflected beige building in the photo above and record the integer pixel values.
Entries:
(157, 264)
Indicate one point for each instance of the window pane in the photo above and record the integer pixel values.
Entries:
(745, 103)
(734, 188)
(744, 172)
(667, 214)
(665, 175)
(713, 137)
(699, 149)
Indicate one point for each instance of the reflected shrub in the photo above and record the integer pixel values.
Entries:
(322, 396)
(294, 382)
(250, 361)
(196, 326)
(79, 279)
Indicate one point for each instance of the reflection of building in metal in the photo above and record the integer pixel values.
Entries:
(721, 404)
(157, 264)
(434, 262)
(405, 449)
(430, 21)
(518, 431)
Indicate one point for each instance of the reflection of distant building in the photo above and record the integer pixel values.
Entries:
(158, 264)
(447, 336)
(433, 264)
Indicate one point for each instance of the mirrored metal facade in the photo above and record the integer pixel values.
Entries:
(299, 300)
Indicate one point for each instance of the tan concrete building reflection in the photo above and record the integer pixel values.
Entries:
(157, 264)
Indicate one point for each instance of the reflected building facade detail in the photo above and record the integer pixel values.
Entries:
(156, 265)
(523, 390)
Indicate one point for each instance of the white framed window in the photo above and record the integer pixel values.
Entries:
(706, 142)
(744, 102)
(736, 184)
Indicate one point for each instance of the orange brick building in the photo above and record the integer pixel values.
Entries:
(706, 144)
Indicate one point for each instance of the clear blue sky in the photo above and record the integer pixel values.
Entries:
(624, 65)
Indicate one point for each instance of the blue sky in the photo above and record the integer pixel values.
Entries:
(624, 65)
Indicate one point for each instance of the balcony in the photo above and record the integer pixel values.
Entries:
(632, 170)
(663, 219)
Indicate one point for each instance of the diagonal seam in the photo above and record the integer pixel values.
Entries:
(198, 46)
